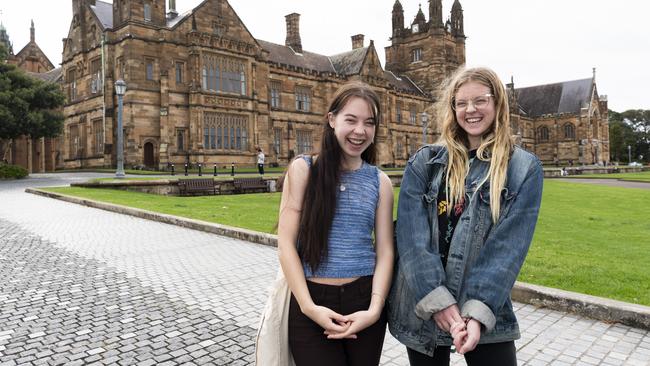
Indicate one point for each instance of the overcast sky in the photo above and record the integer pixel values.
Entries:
(536, 42)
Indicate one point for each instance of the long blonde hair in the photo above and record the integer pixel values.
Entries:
(496, 143)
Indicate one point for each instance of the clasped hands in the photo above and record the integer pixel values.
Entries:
(339, 326)
(466, 332)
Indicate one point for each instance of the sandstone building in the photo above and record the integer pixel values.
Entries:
(202, 89)
(42, 154)
(563, 123)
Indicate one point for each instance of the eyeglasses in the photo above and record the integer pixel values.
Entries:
(479, 102)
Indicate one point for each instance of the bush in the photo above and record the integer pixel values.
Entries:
(12, 171)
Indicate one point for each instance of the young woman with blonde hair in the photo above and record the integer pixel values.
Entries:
(467, 211)
(339, 272)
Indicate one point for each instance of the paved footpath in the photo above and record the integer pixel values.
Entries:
(84, 286)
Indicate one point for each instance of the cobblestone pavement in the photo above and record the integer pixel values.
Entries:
(84, 286)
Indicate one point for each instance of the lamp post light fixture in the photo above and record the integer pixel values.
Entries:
(425, 124)
(629, 154)
(120, 89)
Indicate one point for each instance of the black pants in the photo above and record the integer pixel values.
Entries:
(310, 346)
(501, 354)
(260, 168)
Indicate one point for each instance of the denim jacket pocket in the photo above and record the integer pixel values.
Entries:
(485, 224)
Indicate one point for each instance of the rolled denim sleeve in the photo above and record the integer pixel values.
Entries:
(493, 275)
(419, 257)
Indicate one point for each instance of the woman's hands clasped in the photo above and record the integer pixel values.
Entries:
(356, 322)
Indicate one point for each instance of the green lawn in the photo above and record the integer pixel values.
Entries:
(251, 211)
(639, 176)
(590, 239)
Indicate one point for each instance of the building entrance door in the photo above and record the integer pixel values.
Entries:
(148, 155)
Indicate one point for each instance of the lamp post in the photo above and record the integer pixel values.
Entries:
(629, 154)
(425, 124)
(120, 89)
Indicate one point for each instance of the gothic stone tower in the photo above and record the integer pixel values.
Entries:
(427, 51)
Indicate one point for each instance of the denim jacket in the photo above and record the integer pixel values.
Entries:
(484, 258)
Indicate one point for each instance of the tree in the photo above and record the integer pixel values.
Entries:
(27, 107)
(629, 128)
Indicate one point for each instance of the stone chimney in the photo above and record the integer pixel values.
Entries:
(293, 32)
(357, 41)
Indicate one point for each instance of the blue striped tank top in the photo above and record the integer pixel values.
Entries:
(351, 250)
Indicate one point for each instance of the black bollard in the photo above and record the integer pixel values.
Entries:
(200, 170)
(186, 169)
(215, 169)
(232, 169)
(172, 169)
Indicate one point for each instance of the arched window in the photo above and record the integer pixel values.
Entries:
(543, 133)
(569, 131)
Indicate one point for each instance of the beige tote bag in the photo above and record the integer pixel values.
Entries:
(272, 342)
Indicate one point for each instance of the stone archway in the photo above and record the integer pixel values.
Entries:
(149, 160)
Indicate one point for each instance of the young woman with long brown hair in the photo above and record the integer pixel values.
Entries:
(335, 238)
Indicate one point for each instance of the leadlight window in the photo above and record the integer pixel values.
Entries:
(413, 118)
(399, 148)
(275, 89)
(180, 140)
(543, 133)
(180, 67)
(277, 141)
(147, 12)
(416, 55)
(149, 68)
(303, 99)
(223, 74)
(96, 85)
(569, 131)
(74, 141)
(72, 87)
(304, 141)
(223, 131)
(398, 112)
(98, 130)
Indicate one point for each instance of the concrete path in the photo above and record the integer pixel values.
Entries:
(85, 286)
(607, 182)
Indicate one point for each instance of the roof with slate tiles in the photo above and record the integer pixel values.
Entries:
(104, 13)
(284, 55)
(349, 63)
(564, 97)
(52, 76)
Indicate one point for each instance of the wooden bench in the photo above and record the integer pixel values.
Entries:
(246, 185)
(197, 186)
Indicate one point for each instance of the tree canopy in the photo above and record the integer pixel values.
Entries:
(630, 128)
(28, 106)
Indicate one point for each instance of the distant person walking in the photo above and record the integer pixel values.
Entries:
(467, 212)
(260, 161)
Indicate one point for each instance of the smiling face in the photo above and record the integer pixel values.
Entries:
(354, 128)
(473, 114)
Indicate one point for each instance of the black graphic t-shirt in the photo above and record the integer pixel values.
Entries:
(447, 219)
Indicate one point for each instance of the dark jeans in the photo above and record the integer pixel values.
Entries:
(501, 354)
(260, 168)
(311, 347)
